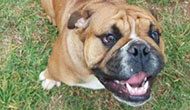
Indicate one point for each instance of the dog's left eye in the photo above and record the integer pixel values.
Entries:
(155, 35)
(109, 39)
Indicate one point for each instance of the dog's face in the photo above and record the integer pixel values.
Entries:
(123, 47)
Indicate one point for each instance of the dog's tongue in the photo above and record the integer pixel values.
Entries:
(136, 79)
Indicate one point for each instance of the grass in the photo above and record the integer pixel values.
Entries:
(26, 39)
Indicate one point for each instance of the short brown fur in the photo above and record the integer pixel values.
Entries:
(73, 56)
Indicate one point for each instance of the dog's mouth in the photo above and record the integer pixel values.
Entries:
(136, 88)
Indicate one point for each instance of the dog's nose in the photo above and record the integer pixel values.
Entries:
(139, 50)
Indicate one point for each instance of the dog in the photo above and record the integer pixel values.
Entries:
(104, 44)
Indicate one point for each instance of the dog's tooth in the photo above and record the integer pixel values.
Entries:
(143, 91)
(145, 79)
(136, 89)
(129, 87)
(139, 91)
(132, 92)
(146, 85)
(116, 81)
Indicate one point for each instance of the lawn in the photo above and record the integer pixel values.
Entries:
(26, 39)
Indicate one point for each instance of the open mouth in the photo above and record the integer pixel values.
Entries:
(136, 88)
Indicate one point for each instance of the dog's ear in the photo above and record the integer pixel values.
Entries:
(79, 20)
(153, 12)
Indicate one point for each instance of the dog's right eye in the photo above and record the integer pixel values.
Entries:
(109, 39)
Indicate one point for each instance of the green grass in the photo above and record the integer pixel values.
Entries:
(26, 39)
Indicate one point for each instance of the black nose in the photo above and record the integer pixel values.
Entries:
(139, 50)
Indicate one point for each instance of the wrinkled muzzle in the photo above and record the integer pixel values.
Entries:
(130, 71)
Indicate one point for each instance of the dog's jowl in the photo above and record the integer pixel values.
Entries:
(104, 44)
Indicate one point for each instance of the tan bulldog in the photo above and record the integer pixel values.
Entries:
(104, 43)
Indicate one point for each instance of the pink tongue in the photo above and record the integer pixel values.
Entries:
(136, 79)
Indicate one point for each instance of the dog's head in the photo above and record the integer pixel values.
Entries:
(123, 47)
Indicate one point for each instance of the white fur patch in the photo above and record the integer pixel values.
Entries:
(133, 34)
(48, 84)
(93, 83)
(134, 38)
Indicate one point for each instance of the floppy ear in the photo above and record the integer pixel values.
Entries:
(153, 12)
(79, 20)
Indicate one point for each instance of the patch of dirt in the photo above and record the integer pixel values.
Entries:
(8, 33)
(188, 9)
(10, 37)
(187, 58)
(98, 99)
